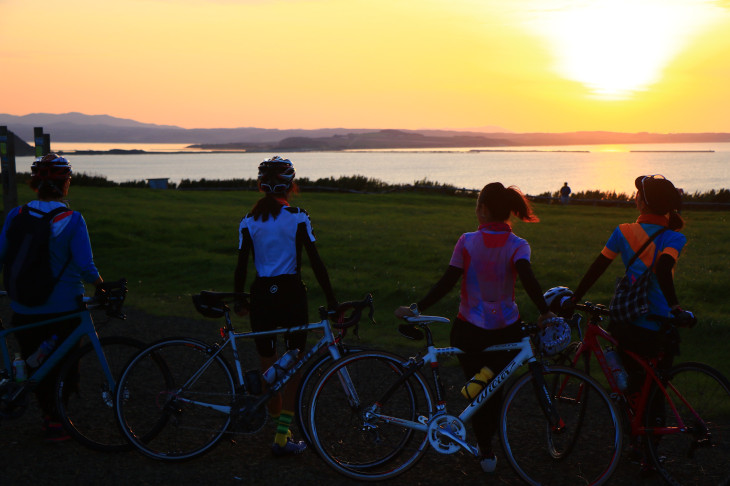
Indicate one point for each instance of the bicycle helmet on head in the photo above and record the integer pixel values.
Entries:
(50, 167)
(555, 337)
(276, 174)
(556, 298)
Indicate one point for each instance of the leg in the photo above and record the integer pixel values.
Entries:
(473, 340)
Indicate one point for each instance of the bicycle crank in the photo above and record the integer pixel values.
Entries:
(447, 434)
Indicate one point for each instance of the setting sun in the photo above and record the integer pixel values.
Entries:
(620, 47)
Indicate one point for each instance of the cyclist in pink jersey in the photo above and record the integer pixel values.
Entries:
(488, 262)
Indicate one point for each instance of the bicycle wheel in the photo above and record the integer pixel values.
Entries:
(174, 399)
(306, 389)
(85, 397)
(701, 454)
(362, 447)
(581, 452)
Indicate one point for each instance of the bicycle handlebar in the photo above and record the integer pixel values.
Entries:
(338, 319)
(108, 295)
(597, 310)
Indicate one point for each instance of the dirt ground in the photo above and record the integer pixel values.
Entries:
(27, 460)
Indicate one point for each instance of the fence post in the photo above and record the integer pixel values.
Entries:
(7, 166)
(42, 142)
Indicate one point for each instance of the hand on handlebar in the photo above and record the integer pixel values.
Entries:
(544, 317)
(685, 318)
(404, 311)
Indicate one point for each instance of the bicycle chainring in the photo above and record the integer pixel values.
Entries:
(247, 418)
(11, 408)
(439, 427)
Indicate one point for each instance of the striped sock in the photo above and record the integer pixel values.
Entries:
(282, 427)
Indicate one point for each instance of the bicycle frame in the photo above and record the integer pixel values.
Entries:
(327, 340)
(524, 356)
(85, 328)
(590, 345)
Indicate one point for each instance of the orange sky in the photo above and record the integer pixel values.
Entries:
(522, 65)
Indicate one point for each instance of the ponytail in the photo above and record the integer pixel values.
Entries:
(676, 222)
(502, 201)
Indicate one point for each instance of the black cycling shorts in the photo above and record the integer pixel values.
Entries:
(278, 302)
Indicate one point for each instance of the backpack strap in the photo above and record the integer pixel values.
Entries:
(644, 246)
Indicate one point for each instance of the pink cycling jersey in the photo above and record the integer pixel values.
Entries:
(487, 259)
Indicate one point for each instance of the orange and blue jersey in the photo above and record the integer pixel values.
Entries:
(487, 258)
(628, 238)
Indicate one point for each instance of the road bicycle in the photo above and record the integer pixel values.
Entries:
(84, 391)
(681, 416)
(180, 396)
(386, 422)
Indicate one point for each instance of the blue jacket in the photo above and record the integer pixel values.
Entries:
(69, 238)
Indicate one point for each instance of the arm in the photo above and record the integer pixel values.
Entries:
(599, 265)
(320, 272)
(239, 275)
(442, 287)
(81, 252)
(664, 277)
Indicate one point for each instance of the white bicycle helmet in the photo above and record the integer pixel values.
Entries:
(556, 298)
(276, 174)
(555, 337)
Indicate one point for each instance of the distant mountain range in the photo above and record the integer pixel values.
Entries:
(78, 127)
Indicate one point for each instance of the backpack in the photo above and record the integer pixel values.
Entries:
(27, 273)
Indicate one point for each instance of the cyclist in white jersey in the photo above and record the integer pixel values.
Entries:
(275, 233)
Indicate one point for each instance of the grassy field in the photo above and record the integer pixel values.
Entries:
(171, 244)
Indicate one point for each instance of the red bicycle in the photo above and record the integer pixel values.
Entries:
(680, 416)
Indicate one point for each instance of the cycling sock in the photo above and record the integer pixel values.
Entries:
(282, 427)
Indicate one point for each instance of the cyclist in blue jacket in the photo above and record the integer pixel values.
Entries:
(72, 263)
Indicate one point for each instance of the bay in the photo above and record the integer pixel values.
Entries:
(698, 167)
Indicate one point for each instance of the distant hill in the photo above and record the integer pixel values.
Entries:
(381, 139)
(78, 127)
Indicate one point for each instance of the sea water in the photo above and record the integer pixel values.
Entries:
(696, 167)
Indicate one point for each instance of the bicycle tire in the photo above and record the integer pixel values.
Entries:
(152, 399)
(591, 449)
(369, 450)
(699, 455)
(306, 389)
(85, 398)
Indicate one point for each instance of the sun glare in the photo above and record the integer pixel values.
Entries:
(619, 47)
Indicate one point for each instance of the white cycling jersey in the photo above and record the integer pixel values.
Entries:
(274, 241)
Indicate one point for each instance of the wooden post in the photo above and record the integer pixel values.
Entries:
(7, 165)
(40, 142)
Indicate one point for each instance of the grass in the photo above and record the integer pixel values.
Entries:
(171, 244)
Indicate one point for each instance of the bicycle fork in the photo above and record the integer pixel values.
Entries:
(544, 397)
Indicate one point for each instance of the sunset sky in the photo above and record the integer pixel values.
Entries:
(520, 65)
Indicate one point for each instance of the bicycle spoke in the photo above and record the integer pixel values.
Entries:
(700, 455)
(164, 421)
(586, 447)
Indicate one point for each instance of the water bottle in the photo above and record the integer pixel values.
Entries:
(46, 348)
(474, 386)
(619, 373)
(278, 369)
(19, 370)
